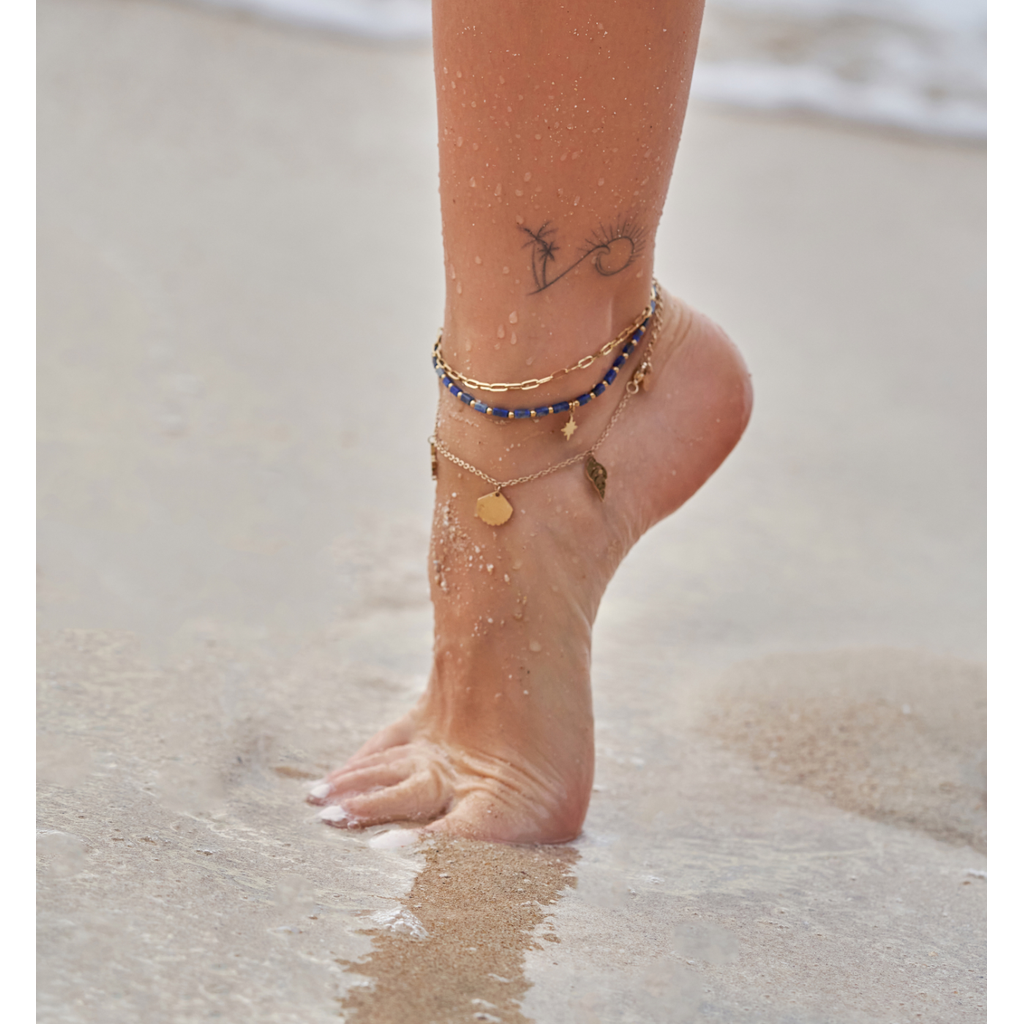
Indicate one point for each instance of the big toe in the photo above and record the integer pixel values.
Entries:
(421, 796)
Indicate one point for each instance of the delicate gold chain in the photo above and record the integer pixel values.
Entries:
(528, 385)
(632, 387)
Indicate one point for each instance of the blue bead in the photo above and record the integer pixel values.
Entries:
(560, 407)
(542, 412)
(522, 414)
(583, 399)
(480, 407)
(618, 362)
(468, 399)
(600, 388)
(503, 413)
(610, 376)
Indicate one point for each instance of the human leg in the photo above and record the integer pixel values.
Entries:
(558, 127)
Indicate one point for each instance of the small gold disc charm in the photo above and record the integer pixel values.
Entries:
(597, 475)
(494, 509)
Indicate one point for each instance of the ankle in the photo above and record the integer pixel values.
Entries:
(503, 335)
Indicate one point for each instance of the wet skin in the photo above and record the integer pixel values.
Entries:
(501, 744)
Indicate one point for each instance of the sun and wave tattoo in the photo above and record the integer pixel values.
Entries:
(611, 249)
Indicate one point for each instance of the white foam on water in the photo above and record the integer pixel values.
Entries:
(400, 921)
(394, 839)
(914, 64)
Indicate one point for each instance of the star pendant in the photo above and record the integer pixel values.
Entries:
(570, 428)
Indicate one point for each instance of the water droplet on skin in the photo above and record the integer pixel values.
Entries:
(477, 260)
(501, 80)
(476, 146)
(513, 317)
(504, 270)
(501, 330)
(527, 176)
(514, 338)
(452, 273)
(472, 182)
(458, 74)
(472, 103)
(576, 201)
(519, 192)
(458, 291)
(537, 137)
(535, 646)
(458, 141)
(526, 693)
(600, 181)
(497, 190)
(519, 220)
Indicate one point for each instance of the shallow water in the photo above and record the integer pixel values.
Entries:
(225, 613)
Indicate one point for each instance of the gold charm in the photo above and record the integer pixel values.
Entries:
(570, 428)
(597, 475)
(433, 461)
(494, 508)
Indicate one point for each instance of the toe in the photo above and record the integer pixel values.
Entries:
(421, 797)
(360, 780)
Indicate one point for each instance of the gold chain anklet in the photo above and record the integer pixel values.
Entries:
(494, 508)
(528, 385)
(569, 405)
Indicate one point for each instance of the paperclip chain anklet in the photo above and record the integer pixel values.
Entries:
(636, 333)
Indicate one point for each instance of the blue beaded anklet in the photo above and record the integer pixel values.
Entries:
(546, 410)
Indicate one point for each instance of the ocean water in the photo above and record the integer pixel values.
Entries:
(910, 64)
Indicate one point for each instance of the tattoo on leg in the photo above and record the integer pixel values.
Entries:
(609, 249)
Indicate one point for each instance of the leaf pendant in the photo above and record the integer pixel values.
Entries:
(597, 475)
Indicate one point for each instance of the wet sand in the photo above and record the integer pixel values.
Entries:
(788, 818)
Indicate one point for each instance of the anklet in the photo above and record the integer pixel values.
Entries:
(528, 385)
(494, 508)
(636, 332)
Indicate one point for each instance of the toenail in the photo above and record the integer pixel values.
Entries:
(319, 791)
(335, 814)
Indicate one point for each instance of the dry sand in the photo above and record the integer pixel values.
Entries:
(237, 222)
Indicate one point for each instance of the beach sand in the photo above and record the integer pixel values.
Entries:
(239, 256)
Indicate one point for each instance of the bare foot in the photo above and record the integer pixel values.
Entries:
(500, 746)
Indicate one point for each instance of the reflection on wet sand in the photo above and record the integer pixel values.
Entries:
(455, 949)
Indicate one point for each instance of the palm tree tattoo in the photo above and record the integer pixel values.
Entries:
(609, 249)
